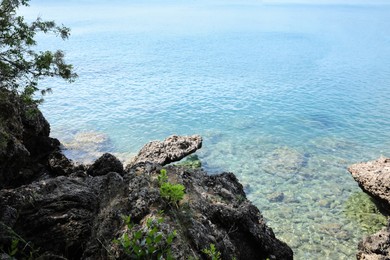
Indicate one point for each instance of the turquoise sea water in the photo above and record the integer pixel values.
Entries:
(286, 97)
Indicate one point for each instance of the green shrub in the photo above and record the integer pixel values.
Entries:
(173, 193)
(147, 243)
(212, 252)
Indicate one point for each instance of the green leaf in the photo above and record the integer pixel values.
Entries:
(138, 234)
(158, 238)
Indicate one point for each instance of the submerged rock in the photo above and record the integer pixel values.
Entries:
(361, 209)
(172, 149)
(192, 161)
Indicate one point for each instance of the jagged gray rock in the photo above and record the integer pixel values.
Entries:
(79, 217)
(375, 247)
(24, 141)
(105, 164)
(374, 178)
(172, 149)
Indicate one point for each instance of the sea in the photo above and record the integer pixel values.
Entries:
(285, 95)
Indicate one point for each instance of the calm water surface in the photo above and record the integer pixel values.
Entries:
(285, 96)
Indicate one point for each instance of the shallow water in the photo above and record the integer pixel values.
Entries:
(285, 96)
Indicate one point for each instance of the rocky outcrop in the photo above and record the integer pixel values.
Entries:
(79, 217)
(374, 178)
(24, 141)
(375, 247)
(53, 209)
(105, 164)
(172, 149)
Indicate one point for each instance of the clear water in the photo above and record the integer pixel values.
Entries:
(286, 97)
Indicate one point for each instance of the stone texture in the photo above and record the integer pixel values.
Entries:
(24, 141)
(374, 178)
(172, 149)
(375, 247)
(79, 217)
(105, 164)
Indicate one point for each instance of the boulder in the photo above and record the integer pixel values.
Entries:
(374, 178)
(172, 149)
(105, 164)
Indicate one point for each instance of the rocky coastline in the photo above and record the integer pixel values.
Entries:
(51, 208)
(374, 179)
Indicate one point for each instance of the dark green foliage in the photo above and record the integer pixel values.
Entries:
(173, 193)
(212, 252)
(147, 243)
(18, 248)
(21, 67)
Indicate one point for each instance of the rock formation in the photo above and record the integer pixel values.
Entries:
(172, 149)
(375, 247)
(64, 211)
(374, 178)
(24, 141)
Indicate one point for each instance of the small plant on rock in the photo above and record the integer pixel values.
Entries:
(212, 252)
(147, 243)
(18, 248)
(173, 193)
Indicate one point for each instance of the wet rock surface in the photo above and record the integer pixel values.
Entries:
(374, 178)
(68, 211)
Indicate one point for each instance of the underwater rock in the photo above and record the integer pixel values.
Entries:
(172, 149)
(276, 197)
(85, 147)
(192, 161)
(374, 178)
(285, 162)
(361, 209)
